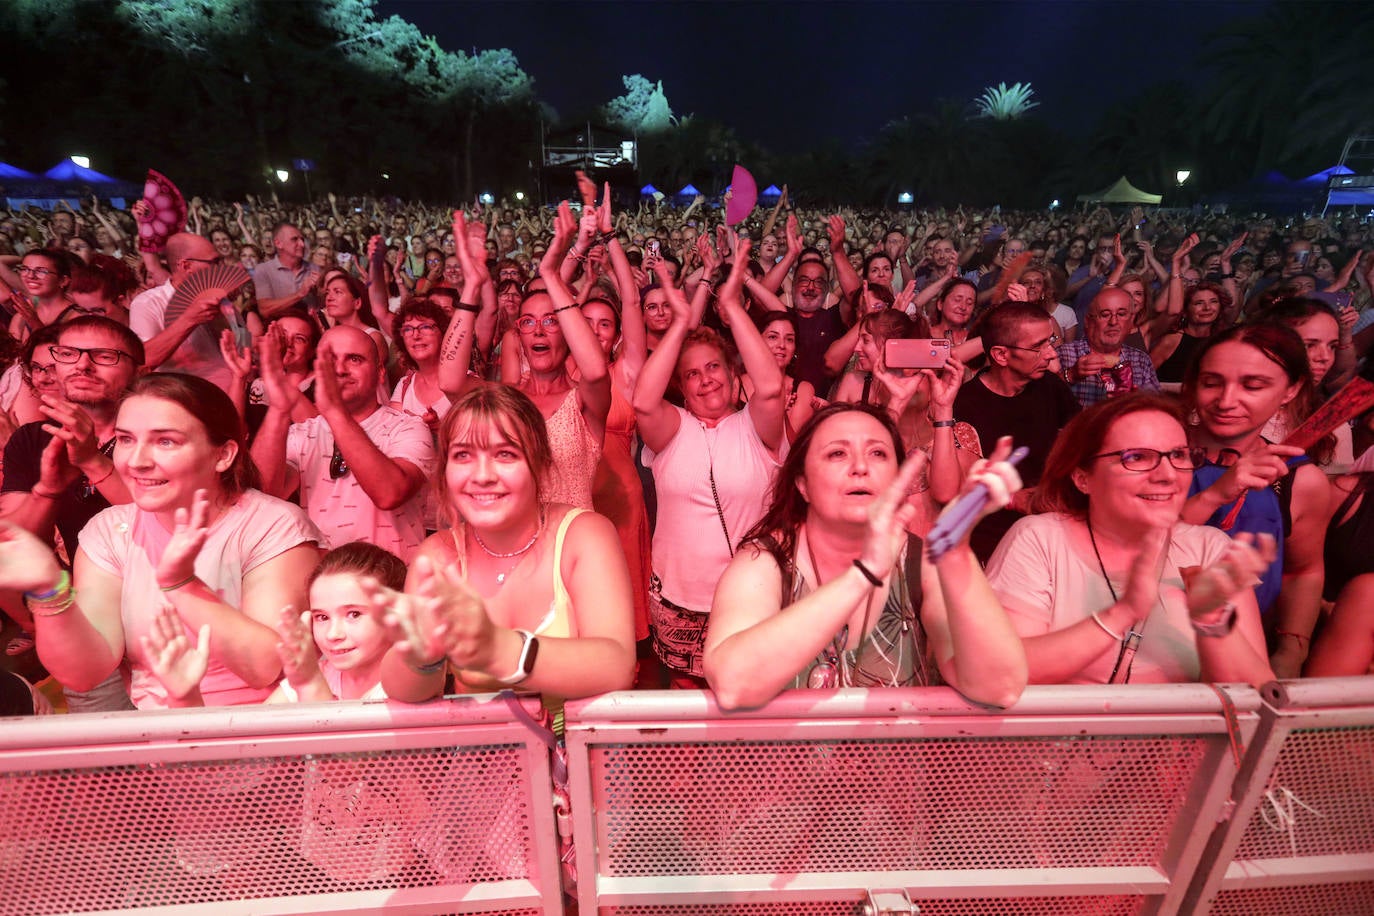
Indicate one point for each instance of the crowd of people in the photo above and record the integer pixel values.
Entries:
(390, 450)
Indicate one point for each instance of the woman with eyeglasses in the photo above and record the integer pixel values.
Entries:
(38, 290)
(1239, 380)
(33, 375)
(418, 328)
(198, 536)
(1106, 585)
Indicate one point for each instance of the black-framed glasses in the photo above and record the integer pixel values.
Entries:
(1140, 460)
(415, 330)
(25, 271)
(36, 369)
(528, 323)
(1049, 342)
(101, 356)
(338, 467)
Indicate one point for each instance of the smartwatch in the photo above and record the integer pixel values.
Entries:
(524, 666)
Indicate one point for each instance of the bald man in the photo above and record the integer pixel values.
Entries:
(1100, 365)
(360, 466)
(187, 344)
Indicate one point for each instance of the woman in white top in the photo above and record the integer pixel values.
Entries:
(197, 537)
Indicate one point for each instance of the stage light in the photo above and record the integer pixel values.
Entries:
(282, 175)
(905, 197)
(82, 161)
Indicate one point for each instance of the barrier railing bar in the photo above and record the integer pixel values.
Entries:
(1326, 692)
(1329, 869)
(193, 749)
(483, 898)
(1020, 882)
(921, 701)
(233, 721)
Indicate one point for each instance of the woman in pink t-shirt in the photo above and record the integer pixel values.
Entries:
(197, 537)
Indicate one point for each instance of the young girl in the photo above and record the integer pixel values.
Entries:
(334, 651)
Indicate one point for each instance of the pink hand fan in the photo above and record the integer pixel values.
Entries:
(166, 212)
(744, 193)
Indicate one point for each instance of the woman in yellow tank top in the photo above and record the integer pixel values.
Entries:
(520, 591)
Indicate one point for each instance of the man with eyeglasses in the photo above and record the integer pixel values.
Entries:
(1099, 365)
(817, 326)
(187, 343)
(57, 483)
(1017, 395)
(360, 464)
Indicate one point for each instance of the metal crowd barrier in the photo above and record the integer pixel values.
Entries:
(1301, 841)
(1071, 801)
(852, 802)
(319, 808)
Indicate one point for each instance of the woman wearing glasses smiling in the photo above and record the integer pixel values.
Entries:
(1106, 585)
(41, 281)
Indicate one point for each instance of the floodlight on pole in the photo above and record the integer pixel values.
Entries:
(1182, 175)
(83, 161)
(487, 198)
(519, 195)
(282, 175)
(905, 197)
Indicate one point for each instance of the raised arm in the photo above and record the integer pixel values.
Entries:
(773, 280)
(657, 419)
(594, 386)
(849, 280)
(767, 407)
(455, 353)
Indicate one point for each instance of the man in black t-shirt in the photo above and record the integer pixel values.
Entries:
(63, 481)
(817, 327)
(1017, 396)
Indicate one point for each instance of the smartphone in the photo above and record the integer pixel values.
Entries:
(652, 245)
(919, 353)
(1302, 257)
(343, 257)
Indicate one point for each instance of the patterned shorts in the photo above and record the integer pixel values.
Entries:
(679, 634)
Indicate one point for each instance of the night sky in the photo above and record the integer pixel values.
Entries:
(788, 75)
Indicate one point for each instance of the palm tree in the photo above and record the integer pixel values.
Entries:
(1005, 103)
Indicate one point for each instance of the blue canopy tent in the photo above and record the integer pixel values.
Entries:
(688, 190)
(68, 172)
(1320, 179)
(13, 173)
(648, 191)
(72, 183)
(770, 191)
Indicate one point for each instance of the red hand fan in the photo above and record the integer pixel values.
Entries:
(166, 212)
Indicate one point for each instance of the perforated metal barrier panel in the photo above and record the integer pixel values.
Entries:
(1063, 804)
(1072, 802)
(439, 808)
(1302, 838)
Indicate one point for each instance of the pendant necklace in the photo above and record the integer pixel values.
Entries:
(501, 577)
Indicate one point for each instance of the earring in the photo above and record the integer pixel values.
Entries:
(1194, 418)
